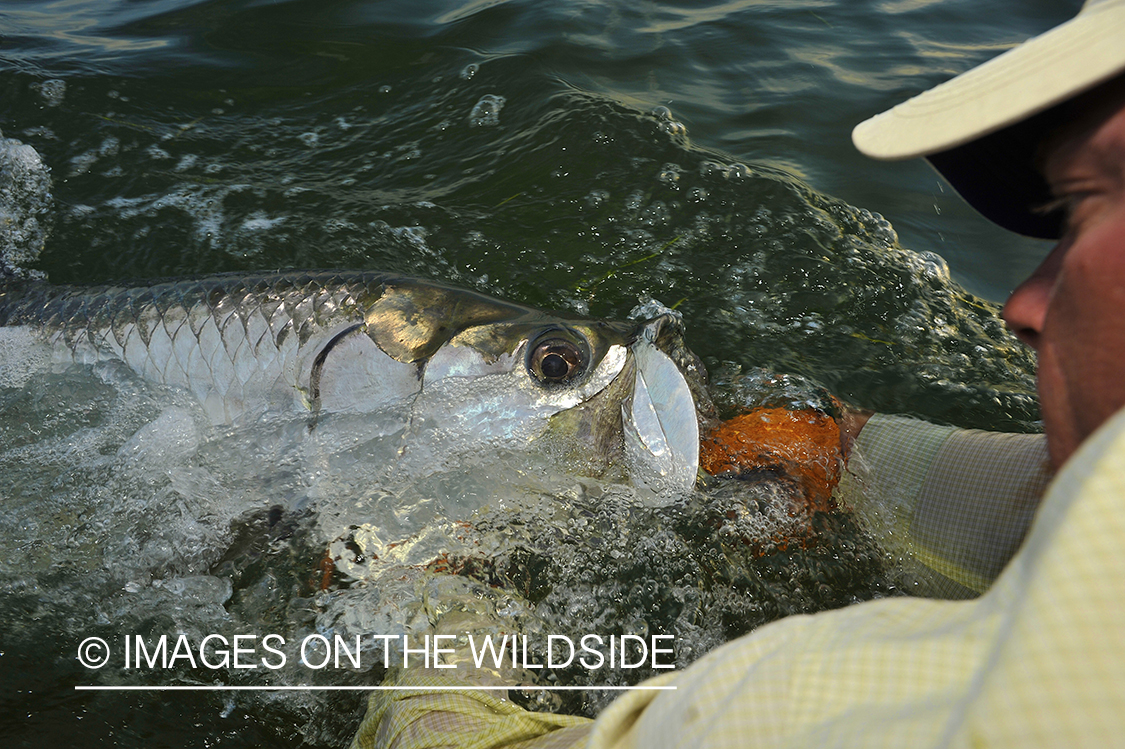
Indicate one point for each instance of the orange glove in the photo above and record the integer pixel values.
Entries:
(803, 445)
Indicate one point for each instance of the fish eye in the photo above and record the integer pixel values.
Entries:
(556, 360)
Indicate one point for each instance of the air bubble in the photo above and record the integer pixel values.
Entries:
(667, 123)
(670, 174)
(933, 267)
(486, 112)
(51, 91)
(739, 171)
(674, 128)
(596, 198)
(708, 168)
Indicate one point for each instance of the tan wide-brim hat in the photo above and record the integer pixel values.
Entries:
(948, 123)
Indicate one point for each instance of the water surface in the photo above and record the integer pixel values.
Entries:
(578, 156)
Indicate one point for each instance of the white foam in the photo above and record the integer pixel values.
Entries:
(23, 354)
(161, 443)
(25, 204)
(258, 221)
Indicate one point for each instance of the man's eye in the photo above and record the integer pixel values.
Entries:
(1069, 207)
(1062, 205)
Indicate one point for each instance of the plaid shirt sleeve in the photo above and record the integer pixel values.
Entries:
(424, 713)
(957, 501)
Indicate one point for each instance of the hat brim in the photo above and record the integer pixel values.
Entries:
(981, 130)
(1038, 74)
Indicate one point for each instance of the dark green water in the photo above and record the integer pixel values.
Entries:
(578, 156)
(194, 137)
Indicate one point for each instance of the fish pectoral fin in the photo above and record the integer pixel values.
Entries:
(661, 426)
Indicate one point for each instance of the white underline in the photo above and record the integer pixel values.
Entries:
(221, 688)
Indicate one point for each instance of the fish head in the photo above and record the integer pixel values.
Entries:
(610, 397)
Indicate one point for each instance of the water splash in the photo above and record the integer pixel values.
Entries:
(25, 207)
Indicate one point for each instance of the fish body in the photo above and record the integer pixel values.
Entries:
(456, 362)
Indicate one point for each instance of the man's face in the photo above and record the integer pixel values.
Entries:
(1072, 309)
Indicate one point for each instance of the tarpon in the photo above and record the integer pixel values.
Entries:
(320, 343)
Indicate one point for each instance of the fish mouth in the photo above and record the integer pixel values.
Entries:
(660, 422)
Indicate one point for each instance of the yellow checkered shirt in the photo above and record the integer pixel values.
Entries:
(1038, 660)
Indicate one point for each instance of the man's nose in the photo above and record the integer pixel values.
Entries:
(1026, 309)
